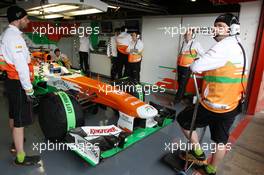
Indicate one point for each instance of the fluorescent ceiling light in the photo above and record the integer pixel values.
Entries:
(83, 12)
(112, 7)
(53, 9)
(48, 7)
(68, 17)
(50, 16)
(34, 12)
(60, 8)
(43, 6)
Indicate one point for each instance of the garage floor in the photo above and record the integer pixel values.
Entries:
(141, 158)
(247, 155)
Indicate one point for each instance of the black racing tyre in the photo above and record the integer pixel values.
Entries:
(53, 119)
(94, 109)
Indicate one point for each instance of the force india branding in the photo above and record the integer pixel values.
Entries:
(62, 84)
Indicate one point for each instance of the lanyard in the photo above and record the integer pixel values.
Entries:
(135, 45)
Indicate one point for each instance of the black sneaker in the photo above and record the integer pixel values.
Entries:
(12, 148)
(28, 161)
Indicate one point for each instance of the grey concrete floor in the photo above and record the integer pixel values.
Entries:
(247, 155)
(143, 158)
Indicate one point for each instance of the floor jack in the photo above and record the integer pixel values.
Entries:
(174, 160)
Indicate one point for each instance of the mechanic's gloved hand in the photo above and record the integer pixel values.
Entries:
(31, 97)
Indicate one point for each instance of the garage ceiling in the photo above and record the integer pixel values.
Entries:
(5, 3)
(174, 7)
(139, 8)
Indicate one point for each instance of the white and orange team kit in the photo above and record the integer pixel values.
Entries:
(123, 40)
(189, 52)
(15, 57)
(135, 49)
(222, 88)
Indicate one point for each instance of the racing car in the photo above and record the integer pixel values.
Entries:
(63, 95)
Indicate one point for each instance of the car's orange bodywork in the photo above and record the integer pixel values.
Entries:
(107, 95)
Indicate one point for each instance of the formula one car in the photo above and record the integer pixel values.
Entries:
(65, 93)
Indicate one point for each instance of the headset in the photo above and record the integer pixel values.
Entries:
(193, 34)
(193, 37)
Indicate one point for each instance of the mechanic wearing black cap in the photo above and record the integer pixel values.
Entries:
(18, 84)
(223, 67)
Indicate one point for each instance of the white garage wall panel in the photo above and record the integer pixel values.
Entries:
(67, 46)
(249, 21)
(201, 21)
(160, 49)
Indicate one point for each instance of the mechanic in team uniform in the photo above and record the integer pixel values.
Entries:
(112, 54)
(84, 53)
(190, 51)
(224, 81)
(135, 49)
(16, 62)
(123, 40)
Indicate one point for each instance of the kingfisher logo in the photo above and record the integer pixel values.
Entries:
(102, 131)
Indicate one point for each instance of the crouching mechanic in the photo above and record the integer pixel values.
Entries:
(61, 59)
(223, 67)
(18, 84)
